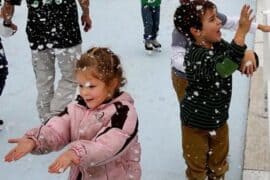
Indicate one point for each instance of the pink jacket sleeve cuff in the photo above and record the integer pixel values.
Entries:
(78, 148)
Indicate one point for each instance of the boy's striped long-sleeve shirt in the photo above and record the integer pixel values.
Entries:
(208, 95)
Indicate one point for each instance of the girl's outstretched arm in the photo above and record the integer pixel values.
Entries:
(65, 160)
(23, 147)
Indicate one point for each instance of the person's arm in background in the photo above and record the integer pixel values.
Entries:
(85, 18)
(7, 13)
(179, 43)
(232, 24)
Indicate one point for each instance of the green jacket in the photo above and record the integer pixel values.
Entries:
(153, 3)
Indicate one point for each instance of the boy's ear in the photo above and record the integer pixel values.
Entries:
(195, 32)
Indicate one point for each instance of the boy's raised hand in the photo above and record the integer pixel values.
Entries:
(23, 147)
(245, 18)
(66, 159)
(248, 63)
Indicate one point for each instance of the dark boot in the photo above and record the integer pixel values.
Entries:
(1, 124)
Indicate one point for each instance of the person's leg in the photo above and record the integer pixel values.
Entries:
(66, 88)
(44, 69)
(155, 17)
(179, 85)
(218, 152)
(195, 149)
(3, 69)
(147, 22)
(3, 75)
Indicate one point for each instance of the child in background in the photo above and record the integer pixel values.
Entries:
(209, 62)
(6, 30)
(100, 129)
(151, 15)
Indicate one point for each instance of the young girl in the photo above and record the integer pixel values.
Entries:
(100, 129)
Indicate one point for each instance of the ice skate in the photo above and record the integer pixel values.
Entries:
(148, 47)
(156, 45)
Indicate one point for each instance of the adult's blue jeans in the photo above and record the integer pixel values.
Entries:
(150, 16)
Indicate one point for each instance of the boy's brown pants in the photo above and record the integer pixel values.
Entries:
(205, 155)
(179, 85)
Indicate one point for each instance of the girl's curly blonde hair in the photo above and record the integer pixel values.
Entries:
(104, 63)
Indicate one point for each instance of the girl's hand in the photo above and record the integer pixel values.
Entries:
(24, 146)
(245, 19)
(64, 161)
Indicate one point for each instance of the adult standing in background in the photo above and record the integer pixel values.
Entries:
(150, 15)
(54, 34)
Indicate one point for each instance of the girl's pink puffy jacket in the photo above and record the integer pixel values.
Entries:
(105, 139)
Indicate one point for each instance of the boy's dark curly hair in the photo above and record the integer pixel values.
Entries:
(189, 15)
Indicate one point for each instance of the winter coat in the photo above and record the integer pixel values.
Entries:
(152, 3)
(105, 139)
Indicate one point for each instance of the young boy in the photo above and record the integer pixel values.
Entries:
(180, 44)
(209, 62)
(150, 15)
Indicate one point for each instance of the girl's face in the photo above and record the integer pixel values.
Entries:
(92, 90)
(211, 26)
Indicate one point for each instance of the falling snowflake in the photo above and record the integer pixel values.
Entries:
(49, 45)
(199, 7)
(196, 93)
(212, 133)
(87, 84)
(61, 170)
(217, 84)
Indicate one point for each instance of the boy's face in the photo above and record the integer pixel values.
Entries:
(211, 26)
